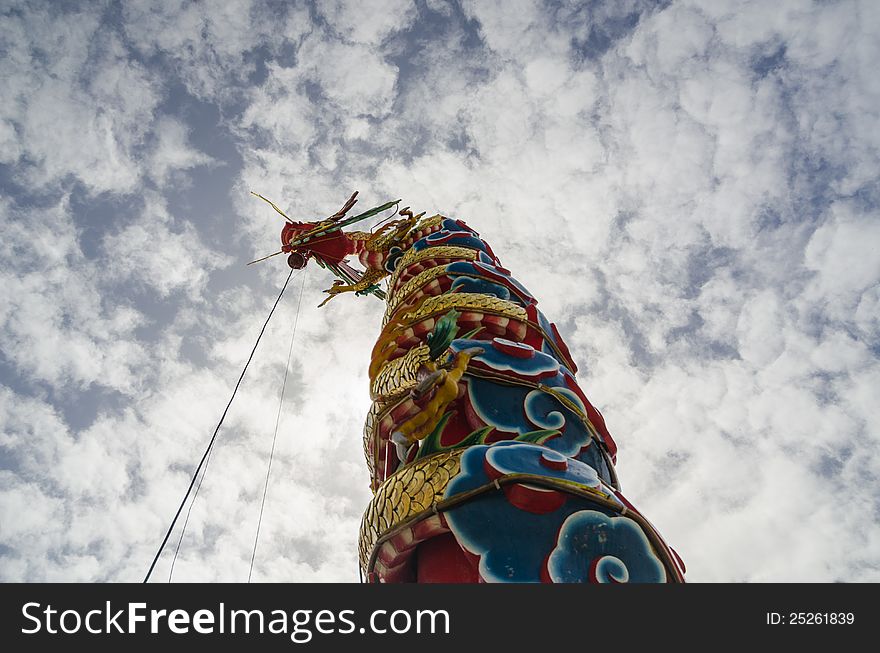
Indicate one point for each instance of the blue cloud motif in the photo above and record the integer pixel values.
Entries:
(470, 285)
(595, 548)
(483, 269)
(442, 238)
(537, 364)
(517, 409)
(545, 411)
(449, 224)
(454, 234)
(393, 259)
(512, 543)
(513, 457)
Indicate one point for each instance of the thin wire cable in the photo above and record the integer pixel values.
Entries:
(188, 511)
(216, 430)
(277, 421)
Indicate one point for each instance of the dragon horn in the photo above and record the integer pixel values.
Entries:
(273, 206)
(281, 251)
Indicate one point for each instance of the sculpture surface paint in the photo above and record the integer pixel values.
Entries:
(488, 461)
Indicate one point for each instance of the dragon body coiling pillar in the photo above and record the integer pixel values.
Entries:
(488, 461)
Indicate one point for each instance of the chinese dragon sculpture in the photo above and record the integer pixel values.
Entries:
(488, 461)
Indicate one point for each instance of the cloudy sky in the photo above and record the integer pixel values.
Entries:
(689, 188)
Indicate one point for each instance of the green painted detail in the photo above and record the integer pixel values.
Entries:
(431, 444)
(537, 437)
(369, 290)
(443, 334)
(470, 334)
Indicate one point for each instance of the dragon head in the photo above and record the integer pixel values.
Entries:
(305, 240)
(298, 257)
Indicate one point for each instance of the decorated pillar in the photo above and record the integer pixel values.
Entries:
(488, 462)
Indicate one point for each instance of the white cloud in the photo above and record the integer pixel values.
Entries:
(55, 324)
(173, 152)
(364, 22)
(688, 190)
(843, 253)
(151, 252)
(355, 78)
(79, 111)
(210, 44)
(516, 30)
(10, 148)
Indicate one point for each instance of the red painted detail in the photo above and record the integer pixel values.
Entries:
(630, 507)
(462, 224)
(545, 570)
(333, 247)
(390, 460)
(531, 498)
(473, 558)
(473, 420)
(518, 330)
(563, 348)
(678, 561)
(413, 269)
(491, 472)
(397, 550)
(401, 572)
(290, 231)
(491, 253)
(497, 324)
(533, 336)
(431, 289)
(534, 499)
(395, 559)
(423, 328)
(492, 272)
(532, 313)
(553, 460)
(496, 273)
(483, 335)
(403, 411)
(514, 349)
(430, 527)
(441, 560)
(497, 435)
(457, 429)
(372, 259)
(595, 417)
(594, 576)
